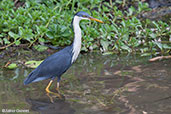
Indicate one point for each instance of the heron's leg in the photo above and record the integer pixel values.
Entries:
(48, 91)
(47, 88)
(57, 85)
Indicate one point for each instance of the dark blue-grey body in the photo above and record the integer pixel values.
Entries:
(53, 66)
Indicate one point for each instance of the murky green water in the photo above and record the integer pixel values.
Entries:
(95, 84)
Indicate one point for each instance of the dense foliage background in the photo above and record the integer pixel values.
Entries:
(34, 22)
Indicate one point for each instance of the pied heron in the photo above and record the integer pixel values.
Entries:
(58, 63)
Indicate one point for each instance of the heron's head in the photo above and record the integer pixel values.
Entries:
(83, 15)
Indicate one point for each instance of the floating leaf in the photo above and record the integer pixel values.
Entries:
(33, 64)
(12, 66)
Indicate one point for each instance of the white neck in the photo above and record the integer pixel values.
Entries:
(77, 38)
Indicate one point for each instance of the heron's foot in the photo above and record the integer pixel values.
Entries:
(50, 97)
(53, 93)
(54, 96)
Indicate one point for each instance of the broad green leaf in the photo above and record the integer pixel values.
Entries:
(50, 35)
(166, 46)
(84, 49)
(13, 35)
(41, 39)
(40, 47)
(17, 42)
(125, 47)
(153, 35)
(6, 41)
(105, 44)
(21, 31)
(1, 41)
(2, 35)
(159, 45)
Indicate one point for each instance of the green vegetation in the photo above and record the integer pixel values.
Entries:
(49, 22)
(12, 66)
(32, 64)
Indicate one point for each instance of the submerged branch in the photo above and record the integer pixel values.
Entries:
(159, 58)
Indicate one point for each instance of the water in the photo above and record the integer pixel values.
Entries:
(94, 84)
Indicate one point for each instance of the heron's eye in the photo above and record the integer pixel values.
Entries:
(84, 16)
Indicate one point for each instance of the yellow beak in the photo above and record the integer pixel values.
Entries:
(91, 18)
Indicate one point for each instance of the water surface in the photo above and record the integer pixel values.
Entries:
(96, 83)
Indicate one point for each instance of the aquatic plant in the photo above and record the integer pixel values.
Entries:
(39, 21)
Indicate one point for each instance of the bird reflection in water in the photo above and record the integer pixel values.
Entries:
(45, 106)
